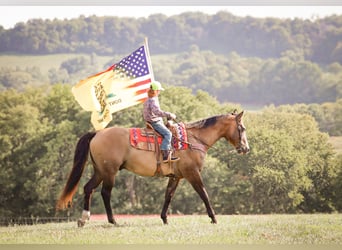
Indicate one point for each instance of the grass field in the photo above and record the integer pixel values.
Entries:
(319, 229)
(44, 62)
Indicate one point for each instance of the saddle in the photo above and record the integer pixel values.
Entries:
(144, 139)
(149, 140)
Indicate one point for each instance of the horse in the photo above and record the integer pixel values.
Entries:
(110, 152)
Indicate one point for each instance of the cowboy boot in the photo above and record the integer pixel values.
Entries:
(166, 154)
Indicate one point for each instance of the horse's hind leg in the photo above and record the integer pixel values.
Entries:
(106, 191)
(170, 190)
(88, 191)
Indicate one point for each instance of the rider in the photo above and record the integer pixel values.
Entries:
(154, 116)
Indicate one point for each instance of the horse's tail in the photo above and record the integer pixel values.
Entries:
(80, 159)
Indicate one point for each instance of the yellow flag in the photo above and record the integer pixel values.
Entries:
(122, 85)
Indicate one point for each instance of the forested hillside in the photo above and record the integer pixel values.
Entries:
(318, 40)
(291, 167)
(256, 61)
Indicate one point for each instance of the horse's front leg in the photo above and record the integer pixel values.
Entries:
(170, 190)
(197, 183)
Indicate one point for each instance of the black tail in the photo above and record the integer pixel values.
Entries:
(80, 159)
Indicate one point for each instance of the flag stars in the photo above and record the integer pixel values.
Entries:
(134, 65)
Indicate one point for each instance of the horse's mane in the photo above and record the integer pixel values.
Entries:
(204, 123)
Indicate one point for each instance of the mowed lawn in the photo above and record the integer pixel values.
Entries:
(321, 229)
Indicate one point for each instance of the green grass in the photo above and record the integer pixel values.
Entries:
(44, 62)
(196, 229)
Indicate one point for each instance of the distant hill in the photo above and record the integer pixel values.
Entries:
(318, 41)
(255, 61)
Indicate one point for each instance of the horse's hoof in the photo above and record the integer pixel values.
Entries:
(80, 223)
(112, 222)
(165, 221)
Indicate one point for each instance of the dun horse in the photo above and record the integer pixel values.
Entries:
(110, 151)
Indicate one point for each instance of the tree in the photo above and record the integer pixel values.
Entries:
(38, 136)
(21, 130)
(291, 166)
(337, 182)
(74, 65)
(277, 175)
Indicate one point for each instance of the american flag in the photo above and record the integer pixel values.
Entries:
(134, 65)
(135, 68)
(122, 85)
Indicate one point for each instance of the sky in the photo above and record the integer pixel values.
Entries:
(10, 15)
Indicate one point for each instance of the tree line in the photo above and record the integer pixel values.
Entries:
(291, 167)
(317, 40)
(255, 61)
(231, 78)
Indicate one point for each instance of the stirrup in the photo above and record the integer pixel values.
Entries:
(174, 159)
(171, 158)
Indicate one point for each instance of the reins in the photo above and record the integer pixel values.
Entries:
(196, 146)
(205, 145)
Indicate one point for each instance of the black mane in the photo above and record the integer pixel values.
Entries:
(203, 123)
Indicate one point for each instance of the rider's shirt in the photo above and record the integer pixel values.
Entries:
(152, 111)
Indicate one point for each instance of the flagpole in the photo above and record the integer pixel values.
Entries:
(149, 59)
(110, 91)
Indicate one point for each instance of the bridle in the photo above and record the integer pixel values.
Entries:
(238, 148)
(241, 129)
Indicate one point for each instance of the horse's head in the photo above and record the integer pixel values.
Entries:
(236, 134)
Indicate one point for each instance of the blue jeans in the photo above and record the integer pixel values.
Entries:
(165, 133)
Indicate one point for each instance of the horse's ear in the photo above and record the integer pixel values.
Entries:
(239, 116)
